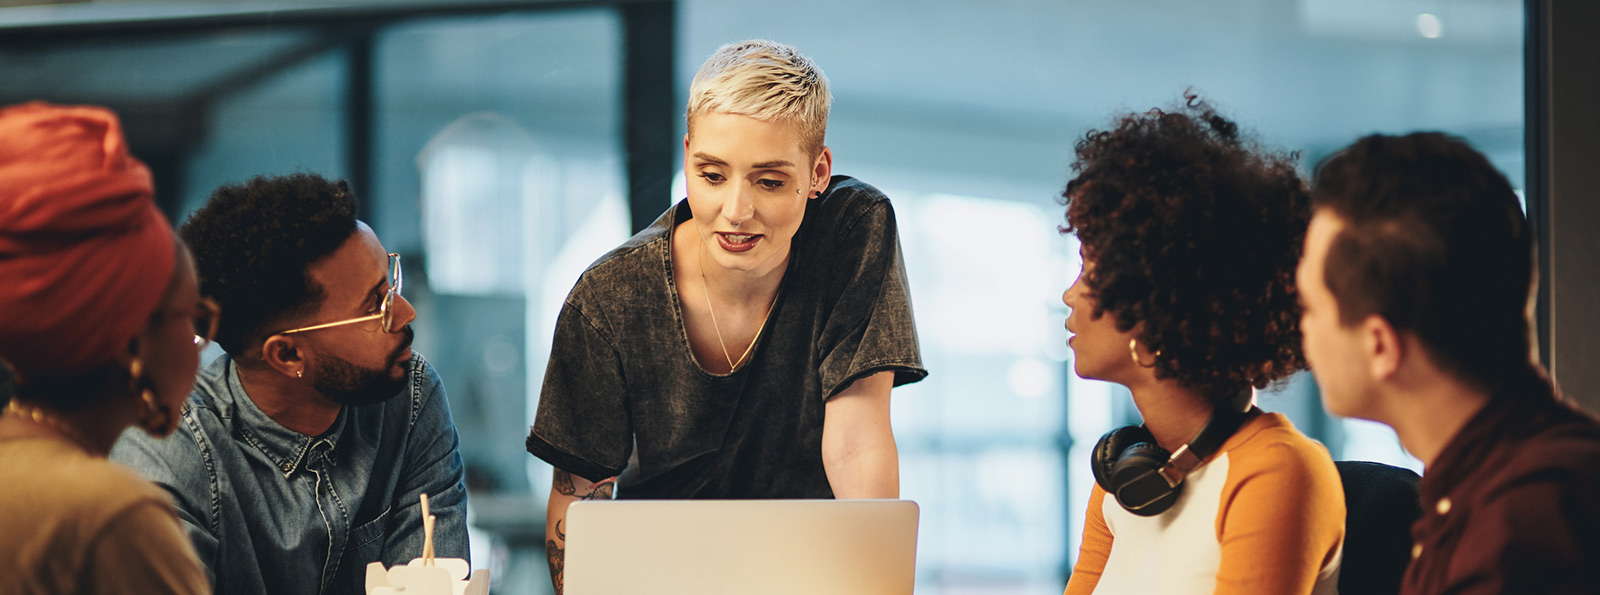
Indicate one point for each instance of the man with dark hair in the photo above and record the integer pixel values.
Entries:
(302, 453)
(1416, 280)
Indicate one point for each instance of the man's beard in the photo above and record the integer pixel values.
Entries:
(346, 383)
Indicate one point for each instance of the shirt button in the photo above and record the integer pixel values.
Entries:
(1416, 551)
(286, 467)
(1444, 506)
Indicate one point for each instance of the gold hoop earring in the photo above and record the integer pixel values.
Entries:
(155, 418)
(299, 373)
(1133, 348)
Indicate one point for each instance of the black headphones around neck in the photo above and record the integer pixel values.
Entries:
(1146, 479)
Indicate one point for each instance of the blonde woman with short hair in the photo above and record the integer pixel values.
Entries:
(745, 344)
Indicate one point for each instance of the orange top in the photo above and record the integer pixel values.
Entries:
(1265, 516)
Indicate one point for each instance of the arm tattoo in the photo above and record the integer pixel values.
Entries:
(604, 490)
(563, 483)
(555, 549)
(557, 554)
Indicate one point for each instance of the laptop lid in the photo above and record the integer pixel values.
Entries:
(705, 547)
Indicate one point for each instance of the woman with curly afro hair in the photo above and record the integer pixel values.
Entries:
(1190, 235)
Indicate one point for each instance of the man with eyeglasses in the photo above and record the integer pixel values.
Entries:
(302, 452)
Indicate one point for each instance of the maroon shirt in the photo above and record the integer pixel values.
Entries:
(1512, 503)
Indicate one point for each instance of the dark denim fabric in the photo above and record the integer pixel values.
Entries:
(621, 371)
(274, 511)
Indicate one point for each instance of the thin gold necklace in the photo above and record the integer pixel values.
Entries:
(39, 416)
(732, 365)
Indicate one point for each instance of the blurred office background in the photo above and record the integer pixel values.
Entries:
(502, 146)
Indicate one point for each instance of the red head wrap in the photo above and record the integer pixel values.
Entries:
(85, 256)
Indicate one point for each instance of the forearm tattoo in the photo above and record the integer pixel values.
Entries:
(604, 490)
(563, 483)
(556, 549)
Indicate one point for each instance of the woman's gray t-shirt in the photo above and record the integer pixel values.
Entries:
(621, 372)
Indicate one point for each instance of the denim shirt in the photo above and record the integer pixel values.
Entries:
(274, 511)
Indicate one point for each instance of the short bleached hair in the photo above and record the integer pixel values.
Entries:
(768, 81)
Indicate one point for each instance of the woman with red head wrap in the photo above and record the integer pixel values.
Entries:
(99, 311)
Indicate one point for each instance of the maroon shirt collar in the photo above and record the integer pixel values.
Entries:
(1505, 418)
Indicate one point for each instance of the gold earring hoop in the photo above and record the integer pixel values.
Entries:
(155, 418)
(299, 373)
(1133, 348)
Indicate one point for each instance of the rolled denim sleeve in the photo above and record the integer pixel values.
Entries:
(433, 466)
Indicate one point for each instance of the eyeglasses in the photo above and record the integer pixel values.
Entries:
(207, 314)
(385, 309)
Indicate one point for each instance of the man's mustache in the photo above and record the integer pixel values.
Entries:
(405, 343)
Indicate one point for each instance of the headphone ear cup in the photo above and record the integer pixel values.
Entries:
(1139, 460)
(1109, 450)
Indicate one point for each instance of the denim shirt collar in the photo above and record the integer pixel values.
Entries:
(287, 449)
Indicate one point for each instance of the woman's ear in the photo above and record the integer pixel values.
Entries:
(821, 172)
(126, 357)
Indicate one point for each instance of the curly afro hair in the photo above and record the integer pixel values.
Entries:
(1195, 232)
(253, 244)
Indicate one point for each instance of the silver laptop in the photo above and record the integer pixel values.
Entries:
(708, 547)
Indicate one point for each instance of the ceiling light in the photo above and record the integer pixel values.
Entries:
(1429, 26)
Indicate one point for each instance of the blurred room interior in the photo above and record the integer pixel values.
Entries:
(501, 146)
